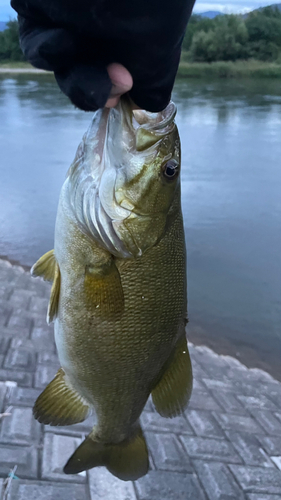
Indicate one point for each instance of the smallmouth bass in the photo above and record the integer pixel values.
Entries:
(119, 296)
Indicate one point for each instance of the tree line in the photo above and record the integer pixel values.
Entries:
(9, 43)
(224, 38)
(233, 37)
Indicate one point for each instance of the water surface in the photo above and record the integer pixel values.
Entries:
(231, 185)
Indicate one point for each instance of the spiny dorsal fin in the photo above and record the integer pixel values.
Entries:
(55, 295)
(59, 404)
(45, 266)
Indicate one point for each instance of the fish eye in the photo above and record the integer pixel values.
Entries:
(170, 169)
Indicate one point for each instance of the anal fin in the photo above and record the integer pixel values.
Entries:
(127, 460)
(172, 393)
(59, 404)
(45, 266)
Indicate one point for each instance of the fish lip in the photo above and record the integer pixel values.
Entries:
(152, 121)
(160, 122)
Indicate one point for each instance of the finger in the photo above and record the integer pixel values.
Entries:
(120, 77)
(122, 82)
(112, 101)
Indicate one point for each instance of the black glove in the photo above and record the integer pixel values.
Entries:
(78, 39)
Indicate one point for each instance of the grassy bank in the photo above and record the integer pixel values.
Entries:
(15, 65)
(229, 69)
(220, 69)
(19, 67)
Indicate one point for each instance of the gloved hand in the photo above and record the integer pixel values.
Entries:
(82, 40)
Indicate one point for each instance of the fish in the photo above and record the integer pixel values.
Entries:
(119, 292)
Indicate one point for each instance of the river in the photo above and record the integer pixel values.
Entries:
(231, 198)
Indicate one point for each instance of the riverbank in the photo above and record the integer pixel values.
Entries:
(219, 69)
(229, 69)
(20, 67)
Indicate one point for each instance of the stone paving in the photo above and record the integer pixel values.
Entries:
(227, 445)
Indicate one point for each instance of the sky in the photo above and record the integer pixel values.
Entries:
(234, 6)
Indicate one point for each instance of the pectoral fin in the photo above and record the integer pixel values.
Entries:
(103, 290)
(173, 391)
(59, 404)
(54, 297)
(45, 266)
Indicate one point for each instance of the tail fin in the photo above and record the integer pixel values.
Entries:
(127, 460)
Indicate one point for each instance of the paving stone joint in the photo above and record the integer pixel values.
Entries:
(226, 446)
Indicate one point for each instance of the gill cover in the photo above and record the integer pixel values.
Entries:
(114, 185)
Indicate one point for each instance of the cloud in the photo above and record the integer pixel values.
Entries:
(6, 11)
(234, 6)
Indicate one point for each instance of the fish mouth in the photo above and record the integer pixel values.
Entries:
(155, 121)
(114, 139)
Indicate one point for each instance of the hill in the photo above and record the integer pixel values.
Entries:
(278, 5)
(210, 14)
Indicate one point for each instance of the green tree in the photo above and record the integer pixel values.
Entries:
(196, 24)
(9, 43)
(231, 37)
(226, 41)
(264, 29)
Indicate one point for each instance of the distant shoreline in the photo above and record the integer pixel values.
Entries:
(229, 69)
(22, 70)
(219, 69)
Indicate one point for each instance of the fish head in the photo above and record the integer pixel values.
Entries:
(125, 180)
